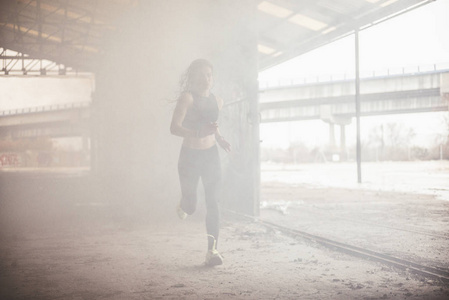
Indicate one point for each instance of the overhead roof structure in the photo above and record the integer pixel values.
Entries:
(72, 33)
(63, 31)
(289, 28)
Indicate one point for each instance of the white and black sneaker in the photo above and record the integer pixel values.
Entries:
(181, 214)
(213, 258)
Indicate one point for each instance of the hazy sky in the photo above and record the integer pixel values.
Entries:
(419, 37)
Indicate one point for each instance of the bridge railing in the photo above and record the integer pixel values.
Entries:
(284, 82)
(45, 108)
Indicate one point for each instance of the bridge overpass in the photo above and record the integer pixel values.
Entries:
(62, 120)
(333, 101)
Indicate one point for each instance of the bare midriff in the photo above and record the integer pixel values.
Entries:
(199, 143)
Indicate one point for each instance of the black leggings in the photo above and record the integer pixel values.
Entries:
(193, 164)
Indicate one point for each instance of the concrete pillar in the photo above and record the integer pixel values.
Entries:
(137, 85)
(85, 153)
(332, 143)
(343, 151)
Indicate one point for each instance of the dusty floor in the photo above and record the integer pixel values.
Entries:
(135, 260)
(165, 262)
(408, 226)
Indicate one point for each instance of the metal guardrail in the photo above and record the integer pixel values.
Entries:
(46, 108)
(400, 71)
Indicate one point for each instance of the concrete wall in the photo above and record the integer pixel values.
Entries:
(137, 84)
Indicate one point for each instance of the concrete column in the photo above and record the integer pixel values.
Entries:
(343, 151)
(332, 143)
(137, 86)
(85, 152)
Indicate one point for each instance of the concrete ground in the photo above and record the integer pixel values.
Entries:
(166, 262)
(104, 258)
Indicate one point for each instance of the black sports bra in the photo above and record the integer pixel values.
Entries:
(203, 111)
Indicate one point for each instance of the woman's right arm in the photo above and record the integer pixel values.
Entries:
(183, 104)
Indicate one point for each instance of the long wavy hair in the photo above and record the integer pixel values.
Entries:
(185, 83)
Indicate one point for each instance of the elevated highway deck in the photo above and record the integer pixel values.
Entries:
(54, 120)
(333, 101)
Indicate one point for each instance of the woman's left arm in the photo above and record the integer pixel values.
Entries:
(222, 142)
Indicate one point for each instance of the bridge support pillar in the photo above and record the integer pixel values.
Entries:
(343, 151)
(332, 120)
(332, 143)
(333, 147)
(85, 159)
